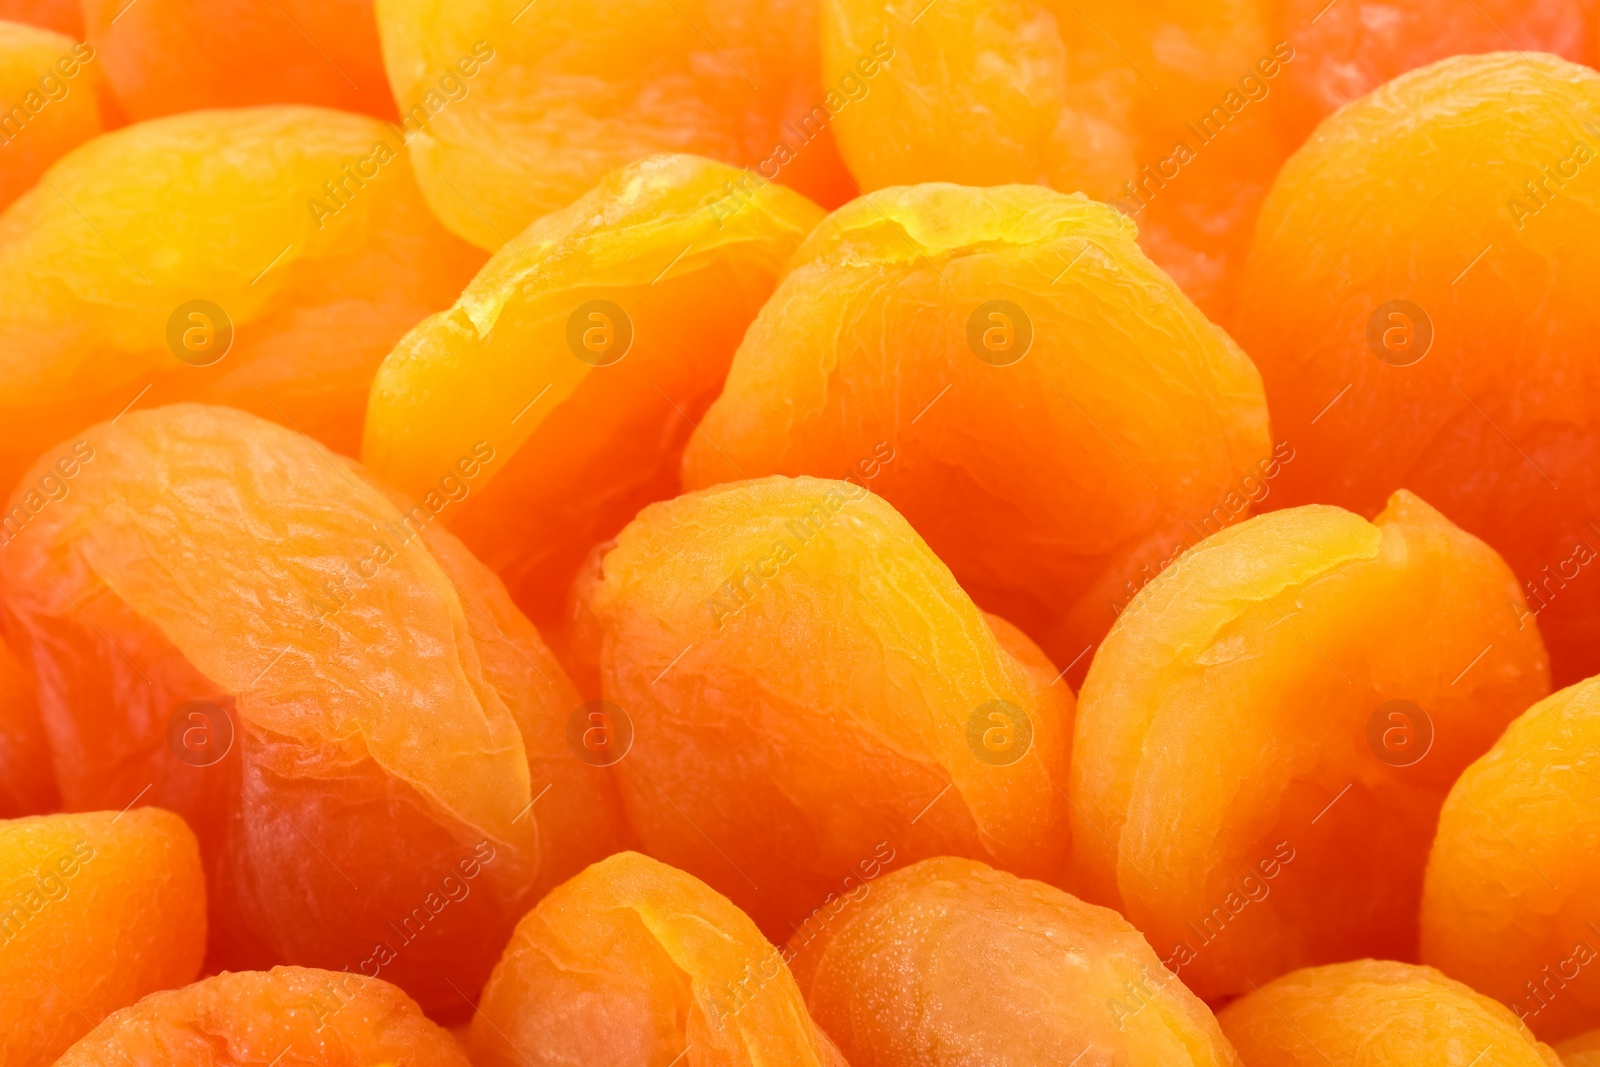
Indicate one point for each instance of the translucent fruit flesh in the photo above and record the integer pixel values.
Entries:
(345, 704)
(949, 962)
(568, 97)
(633, 963)
(52, 89)
(1514, 876)
(1376, 1013)
(1054, 484)
(1310, 684)
(1409, 327)
(533, 446)
(232, 208)
(167, 56)
(810, 691)
(96, 910)
(289, 1015)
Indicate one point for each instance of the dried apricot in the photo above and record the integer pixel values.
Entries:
(1008, 370)
(50, 93)
(167, 56)
(27, 783)
(634, 962)
(1510, 902)
(265, 258)
(1375, 1013)
(1309, 684)
(1396, 345)
(805, 683)
(950, 962)
(538, 415)
(232, 623)
(96, 910)
(558, 97)
(63, 16)
(288, 1015)
(1581, 1051)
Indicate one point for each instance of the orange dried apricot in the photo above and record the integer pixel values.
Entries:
(1008, 370)
(167, 56)
(230, 622)
(63, 16)
(812, 697)
(96, 910)
(538, 415)
(634, 962)
(288, 1015)
(1266, 736)
(1581, 1051)
(1513, 888)
(27, 782)
(1374, 1013)
(212, 256)
(1396, 345)
(949, 962)
(561, 97)
(50, 102)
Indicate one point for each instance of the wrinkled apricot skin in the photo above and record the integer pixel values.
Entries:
(51, 96)
(532, 447)
(27, 783)
(167, 56)
(1376, 1013)
(1254, 679)
(62, 16)
(1091, 96)
(1514, 877)
(1449, 394)
(635, 963)
(813, 696)
(317, 288)
(391, 714)
(96, 910)
(1054, 484)
(950, 962)
(295, 1015)
(555, 98)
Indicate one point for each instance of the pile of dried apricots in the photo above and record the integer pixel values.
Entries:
(799, 533)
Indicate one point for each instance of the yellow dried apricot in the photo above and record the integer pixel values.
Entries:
(50, 102)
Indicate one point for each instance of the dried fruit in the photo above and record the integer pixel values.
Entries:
(1310, 684)
(813, 698)
(1396, 345)
(1582, 1051)
(27, 782)
(1376, 1012)
(564, 97)
(538, 415)
(289, 1015)
(950, 962)
(634, 962)
(359, 725)
(50, 90)
(63, 16)
(1008, 370)
(212, 256)
(1510, 900)
(96, 910)
(167, 56)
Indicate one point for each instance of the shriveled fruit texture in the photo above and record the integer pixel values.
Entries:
(1008, 370)
(1376, 1013)
(561, 97)
(50, 102)
(27, 782)
(1395, 344)
(96, 911)
(167, 56)
(1513, 889)
(303, 289)
(1164, 105)
(813, 698)
(1580, 1051)
(288, 1015)
(63, 16)
(634, 963)
(344, 703)
(1350, 48)
(1310, 684)
(949, 962)
(538, 415)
